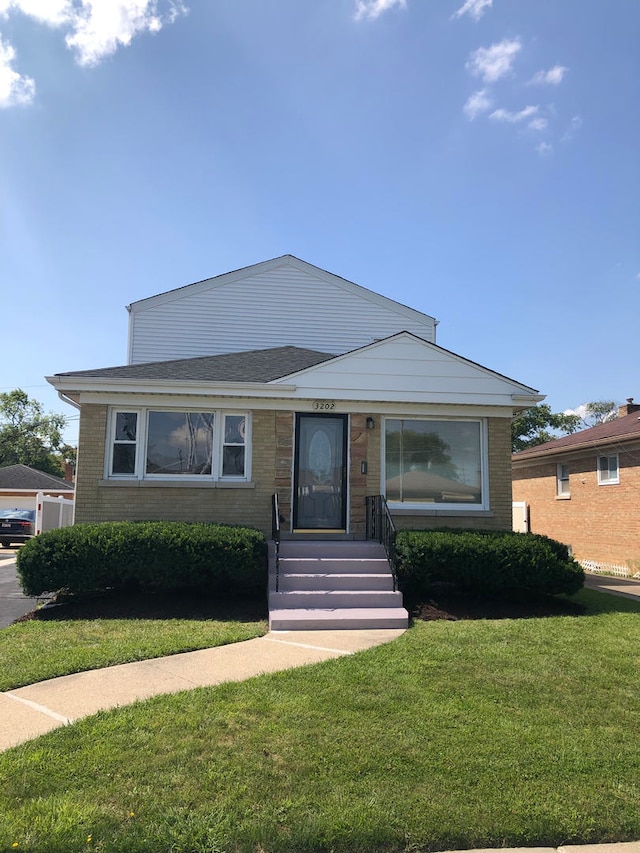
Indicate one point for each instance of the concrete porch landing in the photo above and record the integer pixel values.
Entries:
(333, 585)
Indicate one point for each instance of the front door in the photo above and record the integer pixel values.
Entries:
(320, 473)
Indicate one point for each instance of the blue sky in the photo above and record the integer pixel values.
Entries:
(477, 160)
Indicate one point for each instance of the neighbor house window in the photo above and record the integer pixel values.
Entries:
(434, 462)
(563, 479)
(608, 469)
(168, 444)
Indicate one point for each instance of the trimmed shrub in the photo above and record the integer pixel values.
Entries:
(151, 555)
(485, 563)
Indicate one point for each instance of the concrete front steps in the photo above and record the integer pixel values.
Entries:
(334, 585)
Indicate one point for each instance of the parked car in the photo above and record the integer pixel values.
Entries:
(16, 525)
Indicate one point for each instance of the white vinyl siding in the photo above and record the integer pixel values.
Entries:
(404, 369)
(283, 306)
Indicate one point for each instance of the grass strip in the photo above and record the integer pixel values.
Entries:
(34, 651)
(467, 734)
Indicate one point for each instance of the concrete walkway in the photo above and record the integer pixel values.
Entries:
(30, 711)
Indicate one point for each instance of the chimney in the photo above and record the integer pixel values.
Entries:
(629, 408)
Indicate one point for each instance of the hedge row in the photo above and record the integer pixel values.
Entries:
(149, 555)
(490, 563)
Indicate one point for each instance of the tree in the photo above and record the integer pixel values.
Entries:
(534, 426)
(600, 412)
(28, 436)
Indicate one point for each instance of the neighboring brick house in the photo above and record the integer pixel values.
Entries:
(584, 489)
(282, 377)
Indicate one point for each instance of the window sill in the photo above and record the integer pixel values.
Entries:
(176, 484)
(463, 511)
(563, 497)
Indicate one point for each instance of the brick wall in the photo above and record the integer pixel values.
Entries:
(600, 523)
(272, 462)
(115, 501)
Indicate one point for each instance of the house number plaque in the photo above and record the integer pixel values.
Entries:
(323, 405)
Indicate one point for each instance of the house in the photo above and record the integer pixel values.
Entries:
(584, 489)
(283, 378)
(20, 486)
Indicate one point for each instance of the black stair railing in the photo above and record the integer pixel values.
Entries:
(275, 534)
(380, 527)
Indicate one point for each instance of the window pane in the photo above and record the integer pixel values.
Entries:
(124, 459)
(433, 461)
(179, 443)
(234, 429)
(233, 461)
(126, 424)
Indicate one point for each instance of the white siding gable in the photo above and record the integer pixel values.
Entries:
(276, 303)
(406, 369)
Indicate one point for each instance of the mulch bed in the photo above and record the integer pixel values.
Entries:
(452, 607)
(446, 604)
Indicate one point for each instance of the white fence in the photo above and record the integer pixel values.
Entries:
(53, 512)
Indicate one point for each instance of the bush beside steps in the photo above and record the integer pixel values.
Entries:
(145, 555)
(485, 563)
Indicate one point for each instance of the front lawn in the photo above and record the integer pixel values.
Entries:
(91, 632)
(461, 734)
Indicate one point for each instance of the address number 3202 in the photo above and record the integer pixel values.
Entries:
(323, 405)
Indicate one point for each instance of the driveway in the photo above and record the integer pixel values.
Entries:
(13, 603)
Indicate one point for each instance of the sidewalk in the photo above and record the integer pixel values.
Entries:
(30, 711)
(624, 587)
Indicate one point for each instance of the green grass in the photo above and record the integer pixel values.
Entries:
(34, 651)
(458, 734)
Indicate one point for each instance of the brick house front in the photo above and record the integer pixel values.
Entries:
(283, 378)
(584, 490)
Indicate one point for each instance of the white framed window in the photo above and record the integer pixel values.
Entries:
(153, 443)
(435, 463)
(608, 470)
(562, 479)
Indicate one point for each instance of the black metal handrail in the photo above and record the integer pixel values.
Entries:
(275, 534)
(380, 527)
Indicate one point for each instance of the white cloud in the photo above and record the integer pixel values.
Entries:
(97, 28)
(580, 411)
(551, 77)
(513, 118)
(15, 89)
(372, 9)
(475, 8)
(544, 148)
(574, 126)
(494, 62)
(52, 12)
(539, 123)
(478, 103)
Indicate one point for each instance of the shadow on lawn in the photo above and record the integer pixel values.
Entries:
(151, 605)
(450, 605)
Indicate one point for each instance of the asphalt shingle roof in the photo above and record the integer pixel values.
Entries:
(263, 365)
(23, 477)
(619, 429)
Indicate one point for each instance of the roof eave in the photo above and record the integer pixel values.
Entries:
(593, 444)
(75, 385)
